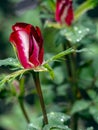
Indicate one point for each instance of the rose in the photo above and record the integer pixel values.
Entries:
(28, 42)
(64, 12)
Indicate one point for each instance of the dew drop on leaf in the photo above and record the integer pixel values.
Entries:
(75, 34)
(31, 127)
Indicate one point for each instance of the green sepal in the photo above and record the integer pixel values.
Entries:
(50, 70)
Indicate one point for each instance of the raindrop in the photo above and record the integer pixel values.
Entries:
(52, 113)
(87, 30)
(10, 60)
(79, 31)
(78, 40)
(62, 120)
(75, 28)
(31, 127)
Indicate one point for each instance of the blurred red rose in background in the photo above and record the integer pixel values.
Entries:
(64, 12)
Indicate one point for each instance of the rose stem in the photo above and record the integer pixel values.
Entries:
(39, 91)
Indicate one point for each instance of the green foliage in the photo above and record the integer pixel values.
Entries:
(11, 77)
(50, 70)
(75, 34)
(61, 54)
(45, 67)
(80, 106)
(10, 62)
(48, 127)
(94, 112)
(87, 5)
(72, 65)
(90, 128)
(56, 121)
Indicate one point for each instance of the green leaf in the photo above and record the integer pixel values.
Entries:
(75, 33)
(92, 94)
(55, 119)
(61, 54)
(51, 4)
(59, 75)
(32, 127)
(94, 112)
(10, 62)
(79, 106)
(57, 127)
(90, 128)
(48, 93)
(87, 5)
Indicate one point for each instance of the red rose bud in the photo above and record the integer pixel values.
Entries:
(28, 42)
(64, 12)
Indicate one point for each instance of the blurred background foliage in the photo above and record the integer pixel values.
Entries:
(59, 96)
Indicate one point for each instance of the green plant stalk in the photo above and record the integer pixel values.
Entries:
(67, 58)
(20, 100)
(74, 121)
(71, 66)
(87, 5)
(71, 70)
(39, 91)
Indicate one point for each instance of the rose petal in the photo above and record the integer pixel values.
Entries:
(40, 38)
(35, 53)
(57, 10)
(69, 18)
(41, 56)
(20, 39)
(19, 26)
(37, 44)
